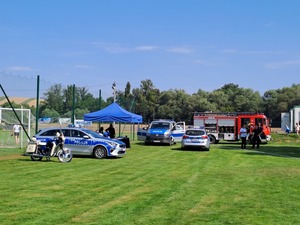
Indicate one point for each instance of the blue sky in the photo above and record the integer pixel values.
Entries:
(189, 45)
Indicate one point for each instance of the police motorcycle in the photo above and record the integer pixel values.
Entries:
(55, 148)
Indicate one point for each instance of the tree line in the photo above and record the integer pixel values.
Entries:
(151, 103)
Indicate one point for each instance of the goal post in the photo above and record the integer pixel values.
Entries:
(8, 119)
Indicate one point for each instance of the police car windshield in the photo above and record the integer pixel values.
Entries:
(160, 125)
(195, 132)
(92, 133)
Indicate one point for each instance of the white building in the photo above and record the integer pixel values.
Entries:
(290, 118)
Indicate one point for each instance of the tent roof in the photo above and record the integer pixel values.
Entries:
(113, 113)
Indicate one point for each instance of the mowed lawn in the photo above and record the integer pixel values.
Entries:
(155, 185)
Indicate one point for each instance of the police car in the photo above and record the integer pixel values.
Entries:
(195, 138)
(83, 141)
(163, 132)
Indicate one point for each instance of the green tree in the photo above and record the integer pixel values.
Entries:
(52, 113)
(232, 98)
(7, 105)
(270, 103)
(54, 98)
(147, 99)
(68, 98)
(86, 101)
(221, 101)
(174, 104)
(127, 90)
(280, 100)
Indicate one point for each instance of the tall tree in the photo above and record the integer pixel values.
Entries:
(174, 104)
(146, 99)
(270, 103)
(68, 98)
(221, 101)
(54, 98)
(236, 99)
(86, 100)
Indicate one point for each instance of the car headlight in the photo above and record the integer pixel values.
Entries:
(167, 133)
(113, 144)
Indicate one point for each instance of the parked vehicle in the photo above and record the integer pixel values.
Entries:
(83, 141)
(195, 138)
(162, 132)
(226, 126)
(55, 148)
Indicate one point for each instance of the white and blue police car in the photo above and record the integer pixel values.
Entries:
(162, 132)
(83, 141)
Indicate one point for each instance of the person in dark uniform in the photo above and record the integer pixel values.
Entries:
(111, 131)
(256, 135)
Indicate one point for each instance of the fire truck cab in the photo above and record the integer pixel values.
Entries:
(226, 126)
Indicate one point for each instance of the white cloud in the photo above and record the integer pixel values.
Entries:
(205, 63)
(181, 50)
(249, 52)
(20, 68)
(278, 65)
(270, 24)
(146, 48)
(229, 51)
(117, 48)
(260, 52)
(83, 66)
(111, 47)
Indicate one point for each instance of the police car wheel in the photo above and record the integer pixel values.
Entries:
(212, 139)
(36, 158)
(171, 141)
(100, 152)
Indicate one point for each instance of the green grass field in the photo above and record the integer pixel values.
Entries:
(156, 185)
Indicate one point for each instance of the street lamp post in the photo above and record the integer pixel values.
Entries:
(114, 87)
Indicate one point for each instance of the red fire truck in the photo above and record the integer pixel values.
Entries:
(226, 126)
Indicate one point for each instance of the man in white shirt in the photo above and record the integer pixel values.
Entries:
(243, 135)
(16, 132)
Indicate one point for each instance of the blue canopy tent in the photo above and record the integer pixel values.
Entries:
(113, 113)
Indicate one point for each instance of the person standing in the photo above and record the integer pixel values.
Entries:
(287, 130)
(16, 132)
(101, 130)
(243, 135)
(256, 135)
(297, 129)
(249, 132)
(111, 131)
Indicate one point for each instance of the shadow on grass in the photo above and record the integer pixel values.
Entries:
(43, 160)
(54, 159)
(152, 144)
(278, 151)
(92, 157)
(189, 149)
